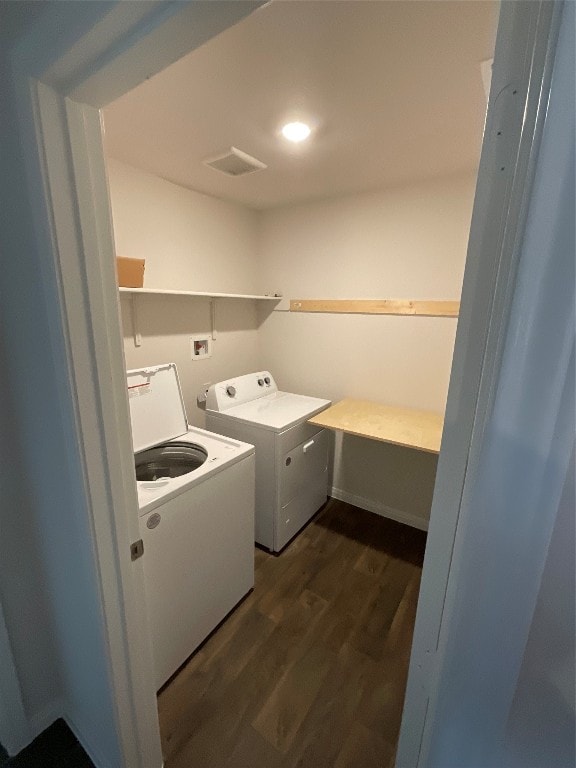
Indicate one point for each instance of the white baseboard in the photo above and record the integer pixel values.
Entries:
(380, 509)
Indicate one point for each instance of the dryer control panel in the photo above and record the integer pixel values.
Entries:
(243, 389)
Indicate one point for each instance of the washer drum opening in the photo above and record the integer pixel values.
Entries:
(169, 460)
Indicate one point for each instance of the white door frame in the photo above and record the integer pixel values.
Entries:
(524, 57)
(59, 88)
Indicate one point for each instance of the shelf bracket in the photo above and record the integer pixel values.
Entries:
(134, 315)
(213, 319)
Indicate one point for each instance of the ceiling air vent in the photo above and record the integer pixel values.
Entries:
(235, 163)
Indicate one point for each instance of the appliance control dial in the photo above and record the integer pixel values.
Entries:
(260, 382)
(231, 391)
(267, 379)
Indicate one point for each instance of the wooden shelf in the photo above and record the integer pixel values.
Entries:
(135, 292)
(378, 307)
(400, 426)
(199, 294)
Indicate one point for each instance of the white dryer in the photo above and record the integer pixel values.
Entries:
(196, 499)
(291, 455)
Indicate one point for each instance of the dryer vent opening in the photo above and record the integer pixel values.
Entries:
(235, 163)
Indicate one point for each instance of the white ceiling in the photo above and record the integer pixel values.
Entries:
(393, 90)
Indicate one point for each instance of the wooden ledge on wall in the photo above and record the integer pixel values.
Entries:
(377, 307)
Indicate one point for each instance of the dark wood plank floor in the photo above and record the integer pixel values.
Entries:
(310, 670)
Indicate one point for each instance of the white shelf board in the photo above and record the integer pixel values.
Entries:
(200, 294)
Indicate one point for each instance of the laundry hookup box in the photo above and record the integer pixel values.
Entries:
(130, 272)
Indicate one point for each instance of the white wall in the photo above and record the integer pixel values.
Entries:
(402, 243)
(50, 597)
(407, 243)
(24, 591)
(190, 242)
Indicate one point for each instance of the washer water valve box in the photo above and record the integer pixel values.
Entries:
(130, 272)
(200, 347)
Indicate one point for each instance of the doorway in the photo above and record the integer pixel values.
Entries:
(374, 206)
(103, 295)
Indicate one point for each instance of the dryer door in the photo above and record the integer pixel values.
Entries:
(303, 486)
(303, 465)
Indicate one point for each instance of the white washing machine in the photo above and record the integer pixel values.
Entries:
(196, 499)
(291, 455)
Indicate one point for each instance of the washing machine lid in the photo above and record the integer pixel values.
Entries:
(157, 411)
(277, 411)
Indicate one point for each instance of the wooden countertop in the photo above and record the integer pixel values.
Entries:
(400, 426)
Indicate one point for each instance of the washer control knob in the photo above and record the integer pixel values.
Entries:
(267, 379)
(231, 391)
(260, 382)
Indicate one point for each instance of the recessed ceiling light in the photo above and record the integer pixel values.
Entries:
(296, 132)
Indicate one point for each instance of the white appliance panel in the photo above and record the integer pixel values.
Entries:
(297, 434)
(302, 465)
(279, 410)
(266, 492)
(198, 562)
(197, 528)
(300, 509)
(291, 455)
(222, 452)
(157, 412)
(243, 389)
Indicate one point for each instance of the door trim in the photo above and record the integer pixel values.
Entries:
(58, 84)
(524, 57)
